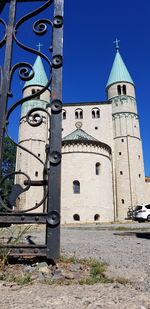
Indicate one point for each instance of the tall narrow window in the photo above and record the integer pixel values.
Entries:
(119, 89)
(63, 114)
(95, 113)
(96, 217)
(124, 89)
(78, 113)
(36, 173)
(97, 168)
(76, 187)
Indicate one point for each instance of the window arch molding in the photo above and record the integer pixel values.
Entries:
(78, 113)
(95, 112)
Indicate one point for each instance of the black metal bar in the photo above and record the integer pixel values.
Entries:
(24, 250)
(6, 74)
(22, 218)
(54, 177)
(36, 183)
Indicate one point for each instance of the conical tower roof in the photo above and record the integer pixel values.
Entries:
(40, 77)
(119, 72)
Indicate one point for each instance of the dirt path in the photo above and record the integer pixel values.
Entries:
(127, 253)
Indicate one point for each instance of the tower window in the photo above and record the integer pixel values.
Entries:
(36, 173)
(122, 140)
(78, 113)
(122, 201)
(39, 155)
(76, 217)
(36, 91)
(119, 153)
(119, 89)
(63, 114)
(121, 172)
(97, 168)
(76, 187)
(139, 175)
(95, 113)
(139, 156)
(124, 89)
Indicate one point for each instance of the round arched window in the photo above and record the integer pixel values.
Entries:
(76, 217)
(96, 217)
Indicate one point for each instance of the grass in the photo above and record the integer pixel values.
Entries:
(15, 235)
(23, 279)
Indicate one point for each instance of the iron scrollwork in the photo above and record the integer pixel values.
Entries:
(35, 118)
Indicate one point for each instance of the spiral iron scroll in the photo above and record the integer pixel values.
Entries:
(26, 72)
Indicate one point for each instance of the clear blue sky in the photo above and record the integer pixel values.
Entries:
(89, 31)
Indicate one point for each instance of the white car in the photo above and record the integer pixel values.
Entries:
(142, 213)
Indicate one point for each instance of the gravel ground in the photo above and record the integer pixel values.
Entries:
(127, 253)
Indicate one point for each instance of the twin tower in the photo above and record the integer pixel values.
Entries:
(102, 160)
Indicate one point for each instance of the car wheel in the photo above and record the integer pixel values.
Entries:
(148, 218)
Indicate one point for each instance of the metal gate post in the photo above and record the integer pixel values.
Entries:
(54, 174)
(5, 82)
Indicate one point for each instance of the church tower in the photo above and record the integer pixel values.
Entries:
(127, 158)
(33, 138)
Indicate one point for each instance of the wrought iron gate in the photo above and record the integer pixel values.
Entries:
(52, 167)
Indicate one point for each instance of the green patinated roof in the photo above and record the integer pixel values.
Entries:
(79, 134)
(27, 105)
(119, 72)
(40, 77)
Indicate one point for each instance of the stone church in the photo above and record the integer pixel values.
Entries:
(102, 160)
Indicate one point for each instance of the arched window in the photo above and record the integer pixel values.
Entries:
(96, 217)
(119, 89)
(36, 91)
(63, 114)
(76, 217)
(76, 186)
(124, 89)
(36, 173)
(97, 168)
(95, 113)
(79, 113)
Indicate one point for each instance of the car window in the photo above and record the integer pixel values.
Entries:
(147, 206)
(138, 207)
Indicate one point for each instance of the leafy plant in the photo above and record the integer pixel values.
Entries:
(8, 166)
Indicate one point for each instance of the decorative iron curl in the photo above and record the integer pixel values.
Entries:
(25, 75)
(3, 40)
(27, 188)
(24, 72)
(41, 26)
(23, 148)
(37, 119)
(9, 176)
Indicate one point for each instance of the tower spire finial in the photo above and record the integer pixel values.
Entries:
(39, 46)
(116, 42)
